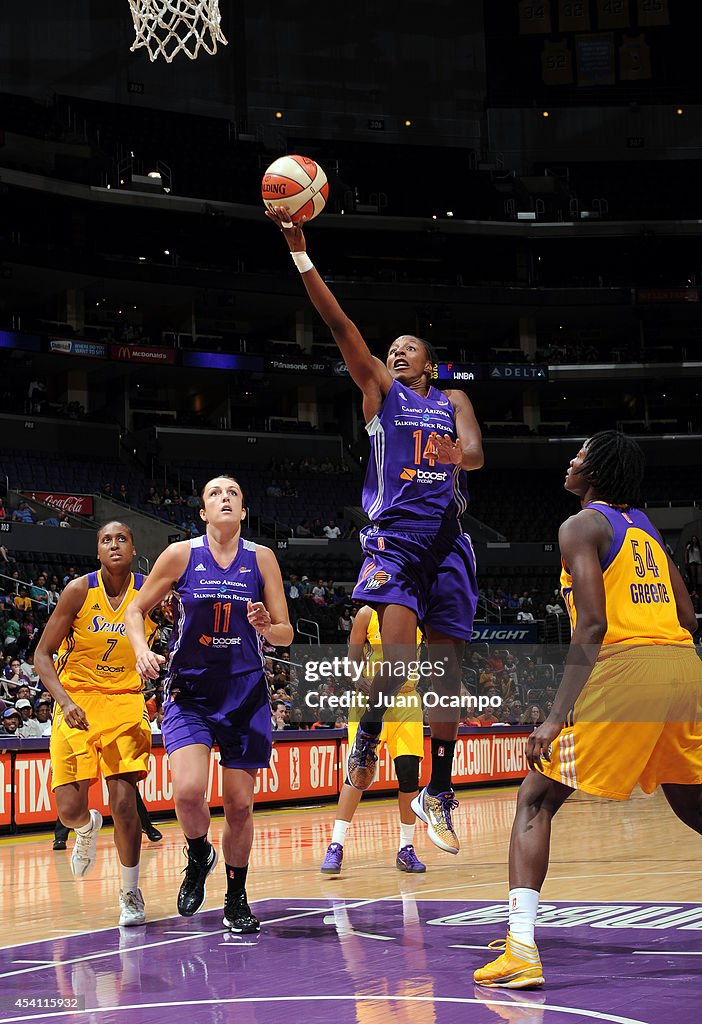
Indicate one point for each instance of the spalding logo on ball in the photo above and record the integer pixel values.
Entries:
(298, 183)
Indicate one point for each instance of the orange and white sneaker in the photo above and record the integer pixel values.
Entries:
(519, 966)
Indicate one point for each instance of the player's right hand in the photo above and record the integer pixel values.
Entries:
(74, 716)
(148, 665)
(293, 232)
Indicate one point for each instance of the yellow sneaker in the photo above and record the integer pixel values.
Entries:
(435, 812)
(519, 966)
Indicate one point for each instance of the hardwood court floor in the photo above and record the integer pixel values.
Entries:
(602, 851)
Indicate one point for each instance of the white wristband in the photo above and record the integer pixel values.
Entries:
(302, 261)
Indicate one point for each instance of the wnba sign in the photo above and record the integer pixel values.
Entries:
(73, 504)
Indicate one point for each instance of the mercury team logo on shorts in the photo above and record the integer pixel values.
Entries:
(377, 580)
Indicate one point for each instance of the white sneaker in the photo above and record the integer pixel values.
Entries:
(131, 905)
(85, 848)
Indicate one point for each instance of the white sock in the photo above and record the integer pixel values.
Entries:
(129, 877)
(406, 835)
(341, 827)
(523, 905)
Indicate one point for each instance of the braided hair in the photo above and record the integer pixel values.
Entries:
(614, 465)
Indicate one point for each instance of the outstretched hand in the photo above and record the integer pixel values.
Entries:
(448, 451)
(281, 216)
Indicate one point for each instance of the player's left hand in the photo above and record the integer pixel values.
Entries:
(447, 451)
(539, 742)
(258, 616)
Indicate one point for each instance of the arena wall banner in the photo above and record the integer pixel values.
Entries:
(478, 758)
(5, 789)
(73, 347)
(142, 354)
(74, 504)
(311, 769)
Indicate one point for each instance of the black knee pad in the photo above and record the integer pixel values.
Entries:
(407, 771)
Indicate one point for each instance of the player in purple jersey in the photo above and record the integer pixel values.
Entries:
(419, 564)
(229, 599)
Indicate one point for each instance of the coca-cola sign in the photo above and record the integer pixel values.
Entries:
(73, 504)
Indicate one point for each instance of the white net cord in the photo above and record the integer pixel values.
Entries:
(169, 27)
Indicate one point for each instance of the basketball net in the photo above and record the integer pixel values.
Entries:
(169, 27)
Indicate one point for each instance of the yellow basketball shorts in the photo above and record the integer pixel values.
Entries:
(638, 720)
(117, 741)
(403, 727)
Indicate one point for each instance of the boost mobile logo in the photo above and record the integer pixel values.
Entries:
(423, 476)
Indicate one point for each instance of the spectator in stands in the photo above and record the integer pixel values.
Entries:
(345, 624)
(23, 514)
(37, 591)
(3, 510)
(303, 529)
(319, 594)
(12, 633)
(193, 499)
(555, 607)
(11, 721)
(106, 490)
(332, 531)
(280, 716)
(167, 497)
(288, 490)
(52, 598)
(516, 711)
(533, 716)
(693, 561)
(52, 520)
(22, 601)
(273, 490)
(525, 615)
(64, 521)
(317, 528)
(122, 494)
(29, 727)
(70, 575)
(153, 497)
(296, 721)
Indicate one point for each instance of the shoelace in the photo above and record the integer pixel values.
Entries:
(367, 745)
(82, 847)
(131, 900)
(448, 804)
(193, 865)
(499, 944)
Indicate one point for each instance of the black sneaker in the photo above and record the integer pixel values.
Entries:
(59, 844)
(237, 915)
(192, 892)
(152, 834)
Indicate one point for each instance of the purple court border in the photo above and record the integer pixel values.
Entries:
(339, 960)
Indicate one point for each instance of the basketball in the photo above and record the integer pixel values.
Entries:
(298, 183)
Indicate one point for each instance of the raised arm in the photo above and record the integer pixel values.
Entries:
(368, 372)
(169, 566)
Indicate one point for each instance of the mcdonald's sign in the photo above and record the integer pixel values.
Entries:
(142, 354)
